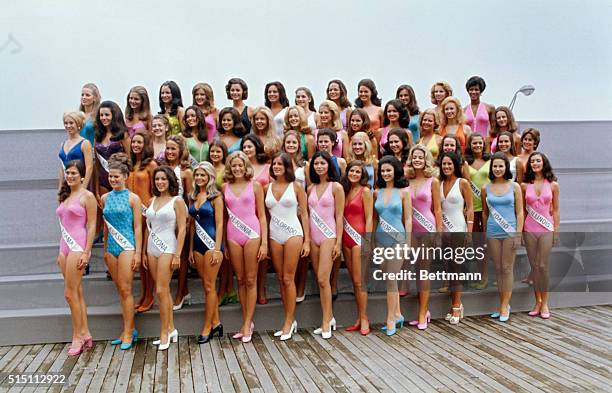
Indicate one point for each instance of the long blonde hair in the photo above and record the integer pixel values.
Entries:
(368, 158)
(97, 99)
(429, 170)
(211, 188)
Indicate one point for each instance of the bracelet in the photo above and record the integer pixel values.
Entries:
(470, 222)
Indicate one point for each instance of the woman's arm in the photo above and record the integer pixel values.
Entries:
(303, 210)
(485, 207)
(181, 222)
(263, 222)
(87, 151)
(368, 209)
(555, 205)
(137, 213)
(407, 210)
(518, 208)
(310, 146)
(466, 193)
(437, 204)
(338, 193)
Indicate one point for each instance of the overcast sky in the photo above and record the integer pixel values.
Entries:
(563, 48)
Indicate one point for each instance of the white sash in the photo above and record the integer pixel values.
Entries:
(475, 190)
(158, 242)
(72, 244)
(177, 172)
(143, 209)
(63, 166)
(193, 162)
(103, 161)
(424, 221)
(118, 237)
(204, 236)
(386, 226)
(540, 219)
(500, 220)
(284, 226)
(448, 223)
(322, 225)
(352, 232)
(241, 226)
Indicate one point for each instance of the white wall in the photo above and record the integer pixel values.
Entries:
(564, 48)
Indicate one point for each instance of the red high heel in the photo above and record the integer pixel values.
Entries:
(353, 328)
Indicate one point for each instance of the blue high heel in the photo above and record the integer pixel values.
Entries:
(504, 318)
(391, 332)
(495, 315)
(134, 338)
(399, 322)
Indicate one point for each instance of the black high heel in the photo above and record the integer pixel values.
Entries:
(217, 329)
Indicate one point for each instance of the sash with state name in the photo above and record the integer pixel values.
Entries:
(475, 190)
(72, 244)
(500, 220)
(102, 161)
(449, 224)
(322, 225)
(118, 237)
(242, 226)
(540, 219)
(348, 228)
(386, 227)
(204, 236)
(424, 221)
(282, 225)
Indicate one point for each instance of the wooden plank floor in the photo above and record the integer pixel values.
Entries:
(571, 352)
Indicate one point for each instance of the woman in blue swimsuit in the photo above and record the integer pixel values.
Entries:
(502, 215)
(75, 147)
(206, 250)
(122, 214)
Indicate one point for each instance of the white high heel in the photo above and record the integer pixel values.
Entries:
(332, 326)
(185, 299)
(172, 336)
(455, 320)
(292, 330)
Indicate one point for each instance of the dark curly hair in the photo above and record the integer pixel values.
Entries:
(399, 180)
(547, 170)
(331, 171)
(456, 164)
(500, 156)
(404, 116)
(65, 191)
(282, 94)
(201, 128)
(173, 187)
(237, 81)
(117, 125)
(177, 99)
(260, 154)
(363, 180)
(369, 83)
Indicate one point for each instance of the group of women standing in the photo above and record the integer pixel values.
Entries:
(228, 190)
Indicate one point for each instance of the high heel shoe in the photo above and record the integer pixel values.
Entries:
(217, 329)
(495, 315)
(300, 299)
(119, 341)
(423, 326)
(131, 343)
(292, 330)
(246, 338)
(157, 342)
(75, 351)
(145, 307)
(239, 335)
(545, 315)
(455, 320)
(88, 342)
(332, 325)
(185, 299)
(366, 331)
(354, 327)
(172, 336)
(399, 322)
(504, 318)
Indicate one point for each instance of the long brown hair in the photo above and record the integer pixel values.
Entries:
(147, 150)
(65, 190)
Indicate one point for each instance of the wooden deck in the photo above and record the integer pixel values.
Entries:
(571, 352)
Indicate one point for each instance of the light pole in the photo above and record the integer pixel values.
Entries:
(526, 90)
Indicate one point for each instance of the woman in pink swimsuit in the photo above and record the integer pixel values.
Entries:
(254, 149)
(479, 116)
(203, 98)
(541, 229)
(77, 216)
(247, 233)
(326, 203)
(137, 110)
(426, 217)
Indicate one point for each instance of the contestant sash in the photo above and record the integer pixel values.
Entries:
(475, 190)
(282, 225)
(540, 219)
(102, 161)
(118, 237)
(352, 232)
(204, 236)
(448, 223)
(500, 220)
(177, 172)
(72, 244)
(322, 225)
(386, 226)
(241, 226)
(193, 162)
(424, 221)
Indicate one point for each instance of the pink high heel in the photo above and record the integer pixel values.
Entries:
(533, 313)
(88, 342)
(423, 326)
(239, 335)
(72, 351)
